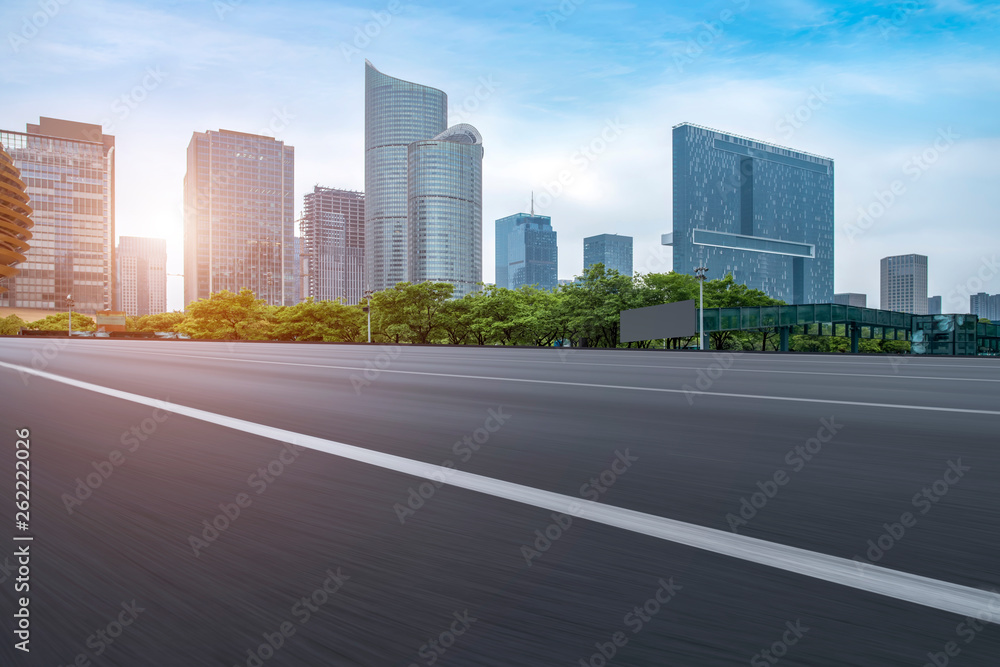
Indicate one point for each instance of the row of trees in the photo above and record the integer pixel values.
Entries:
(585, 312)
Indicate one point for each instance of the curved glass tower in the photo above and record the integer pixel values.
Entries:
(445, 176)
(397, 113)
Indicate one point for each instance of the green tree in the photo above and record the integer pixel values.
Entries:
(330, 321)
(60, 322)
(11, 325)
(159, 321)
(422, 306)
(228, 316)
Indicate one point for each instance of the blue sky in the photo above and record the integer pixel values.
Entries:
(903, 96)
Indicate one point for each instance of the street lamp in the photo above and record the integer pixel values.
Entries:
(69, 304)
(699, 273)
(368, 309)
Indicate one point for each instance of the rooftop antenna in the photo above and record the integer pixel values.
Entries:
(532, 202)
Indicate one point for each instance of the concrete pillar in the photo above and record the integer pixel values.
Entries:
(784, 332)
(855, 337)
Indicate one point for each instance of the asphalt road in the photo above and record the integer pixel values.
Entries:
(351, 560)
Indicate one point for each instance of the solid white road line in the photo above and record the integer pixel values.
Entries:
(689, 391)
(920, 590)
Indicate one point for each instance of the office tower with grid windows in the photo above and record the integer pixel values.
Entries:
(904, 284)
(985, 305)
(612, 250)
(68, 169)
(761, 212)
(333, 245)
(239, 223)
(142, 275)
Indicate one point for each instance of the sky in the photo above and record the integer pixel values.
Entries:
(903, 96)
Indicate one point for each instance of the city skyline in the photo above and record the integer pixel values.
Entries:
(879, 115)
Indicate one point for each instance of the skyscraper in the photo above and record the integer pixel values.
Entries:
(612, 250)
(526, 252)
(423, 186)
(904, 284)
(445, 213)
(985, 305)
(239, 222)
(333, 244)
(15, 219)
(69, 171)
(851, 299)
(934, 305)
(142, 275)
(761, 212)
(397, 113)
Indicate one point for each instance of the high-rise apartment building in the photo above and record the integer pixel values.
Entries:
(239, 222)
(904, 284)
(423, 188)
(934, 305)
(761, 212)
(851, 299)
(985, 305)
(527, 252)
(142, 275)
(69, 171)
(612, 250)
(333, 245)
(15, 219)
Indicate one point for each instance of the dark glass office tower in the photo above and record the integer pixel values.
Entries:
(612, 250)
(526, 252)
(761, 212)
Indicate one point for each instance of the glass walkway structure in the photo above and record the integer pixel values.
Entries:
(927, 334)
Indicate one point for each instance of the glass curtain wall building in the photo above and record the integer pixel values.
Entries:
(69, 171)
(333, 244)
(612, 250)
(397, 113)
(445, 213)
(239, 223)
(526, 252)
(761, 212)
(142, 275)
(904, 284)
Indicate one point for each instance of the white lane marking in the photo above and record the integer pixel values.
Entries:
(762, 397)
(925, 591)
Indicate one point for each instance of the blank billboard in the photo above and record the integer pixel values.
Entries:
(668, 320)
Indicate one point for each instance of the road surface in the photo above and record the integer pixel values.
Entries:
(262, 504)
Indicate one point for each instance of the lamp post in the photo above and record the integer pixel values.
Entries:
(699, 273)
(368, 309)
(69, 304)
